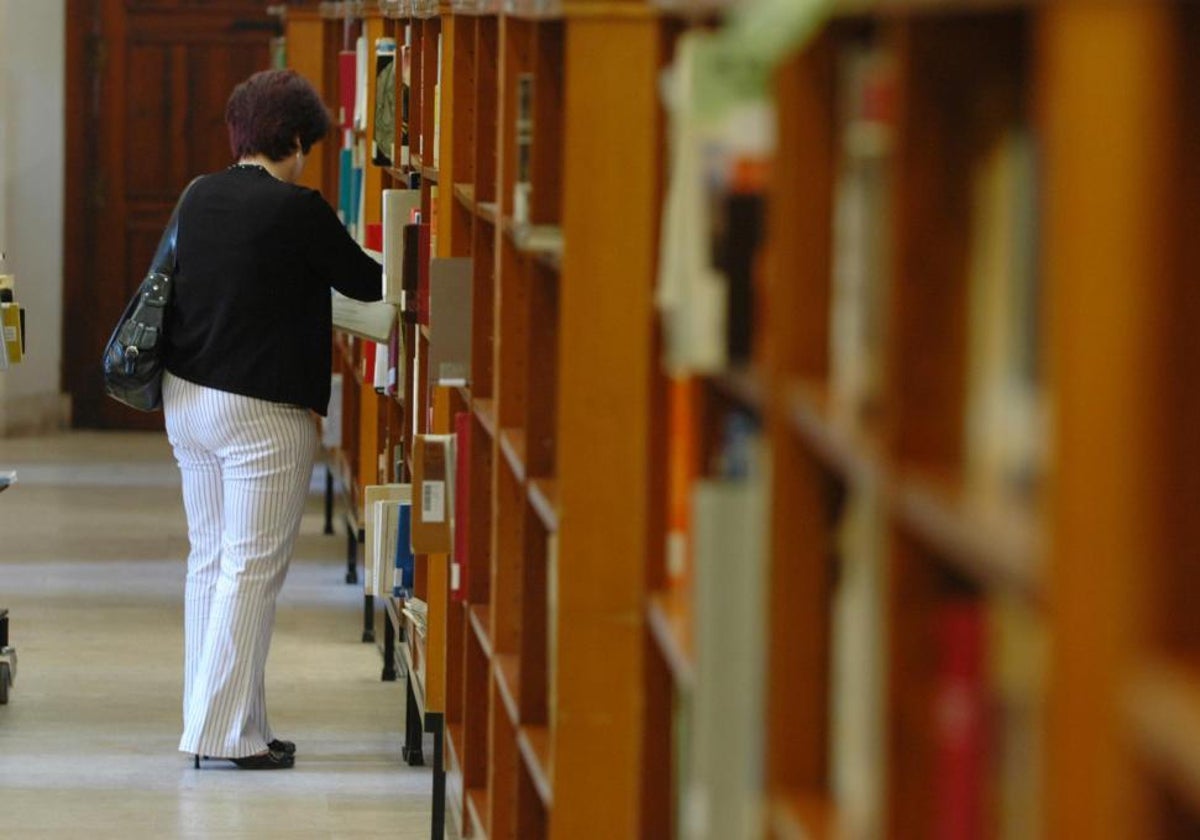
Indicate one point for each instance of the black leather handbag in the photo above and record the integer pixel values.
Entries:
(134, 358)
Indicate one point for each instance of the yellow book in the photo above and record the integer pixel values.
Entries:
(12, 317)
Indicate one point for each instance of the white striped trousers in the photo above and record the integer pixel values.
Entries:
(246, 465)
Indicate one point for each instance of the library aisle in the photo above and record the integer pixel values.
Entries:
(92, 547)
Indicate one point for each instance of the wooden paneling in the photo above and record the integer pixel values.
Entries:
(152, 119)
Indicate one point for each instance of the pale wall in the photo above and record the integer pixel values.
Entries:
(32, 90)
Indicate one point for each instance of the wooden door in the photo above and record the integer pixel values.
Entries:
(147, 82)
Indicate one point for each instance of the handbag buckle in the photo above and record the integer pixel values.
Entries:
(131, 357)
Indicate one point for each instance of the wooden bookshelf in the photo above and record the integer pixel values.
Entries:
(918, 542)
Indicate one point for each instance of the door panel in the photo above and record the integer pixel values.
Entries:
(147, 93)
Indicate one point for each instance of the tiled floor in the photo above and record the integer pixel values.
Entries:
(92, 547)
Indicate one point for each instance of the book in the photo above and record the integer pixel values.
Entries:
(362, 72)
(433, 220)
(418, 612)
(460, 562)
(450, 321)
(858, 665)
(523, 181)
(410, 271)
(405, 97)
(433, 486)
(279, 53)
(382, 365)
(331, 423)
(399, 209)
(682, 468)
(723, 779)
(369, 358)
(720, 151)
(423, 259)
(383, 141)
(1017, 668)
(379, 537)
(861, 230)
(396, 375)
(347, 86)
(1004, 435)
(373, 320)
(346, 205)
(403, 562)
(12, 325)
(960, 731)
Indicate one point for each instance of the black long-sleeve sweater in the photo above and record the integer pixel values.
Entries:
(250, 308)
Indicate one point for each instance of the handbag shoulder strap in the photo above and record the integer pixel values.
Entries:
(164, 256)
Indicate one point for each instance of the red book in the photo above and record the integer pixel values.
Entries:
(960, 721)
(462, 507)
(374, 240)
(368, 362)
(423, 276)
(347, 87)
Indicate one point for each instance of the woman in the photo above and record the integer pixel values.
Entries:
(249, 361)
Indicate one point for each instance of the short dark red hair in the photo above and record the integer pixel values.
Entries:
(268, 111)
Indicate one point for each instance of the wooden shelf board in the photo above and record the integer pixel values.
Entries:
(480, 617)
(1163, 710)
(1000, 547)
(344, 489)
(534, 9)
(455, 787)
(414, 678)
(843, 445)
(456, 735)
(395, 9)
(535, 240)
(430, 174)
(475, 7)
(745, 387)
(465, 194)
(796, 817)
(415, 162)
(507, 670)
(424, 331)
(534, 743)
(550, 260)
(485, 410)
(488, 211)
(339, 9)
(855, 8)
(426, 9)
(543, 495)
(670, 619)
(695, 8)
(478, 808)
(608, 9)
(512, 444)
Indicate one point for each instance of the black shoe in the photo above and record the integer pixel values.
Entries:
(270, 760)
(285, 747)
(277, 746)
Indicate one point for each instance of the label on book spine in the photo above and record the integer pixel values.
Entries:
(433, 501)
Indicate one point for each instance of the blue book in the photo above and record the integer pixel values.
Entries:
(403, 582)
(346, 186)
